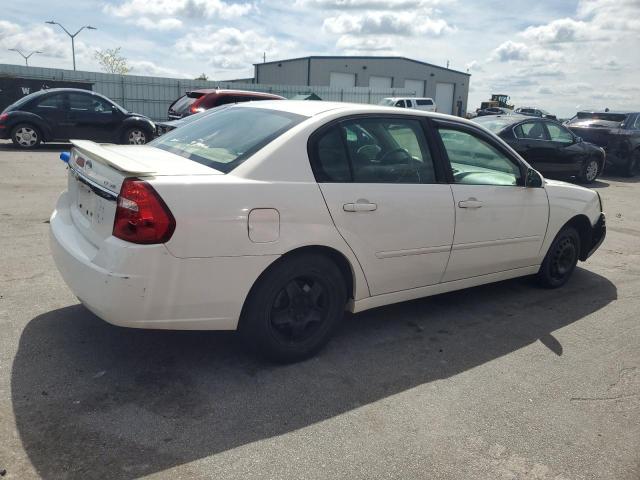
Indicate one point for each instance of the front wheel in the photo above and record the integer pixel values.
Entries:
(293, 310)
(590, 171)
(561, 259)
(135, 136)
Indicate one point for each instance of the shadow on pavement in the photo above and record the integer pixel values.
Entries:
(96, 401)
(44, 147)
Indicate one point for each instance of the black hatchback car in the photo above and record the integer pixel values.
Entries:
(548, 146)
(60, 114)
(617, 132)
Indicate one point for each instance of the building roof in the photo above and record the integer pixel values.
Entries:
(364, 57)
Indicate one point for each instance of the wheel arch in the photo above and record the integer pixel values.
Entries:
(340, 260)
(583, 226)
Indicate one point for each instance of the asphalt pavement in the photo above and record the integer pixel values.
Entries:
(505, 381)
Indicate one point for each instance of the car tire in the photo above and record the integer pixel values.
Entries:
(590, 170)
(26, 136)
(294, 308)
(136, 136)
(561, 259)
(633, 165)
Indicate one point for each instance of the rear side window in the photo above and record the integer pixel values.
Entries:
(373, 150)
(531, 131)
(424, 102)
(224, 139)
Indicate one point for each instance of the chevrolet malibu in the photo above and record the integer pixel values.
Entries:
(275, 217)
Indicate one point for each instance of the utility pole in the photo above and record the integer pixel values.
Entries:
(264, 57)
(73, 36)
(26, 57)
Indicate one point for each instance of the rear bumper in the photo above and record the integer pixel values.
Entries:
(598, 233)
(144, 286)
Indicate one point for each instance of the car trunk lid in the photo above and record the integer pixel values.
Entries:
(96, 174)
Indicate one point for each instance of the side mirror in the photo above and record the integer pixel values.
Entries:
(533, 179)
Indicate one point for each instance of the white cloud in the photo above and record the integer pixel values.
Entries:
(356, 44)
(561, 31)
(474, 66)
(159, 24)
(37, 37)
(510, 51)
(228, 48)
(145, 67)
(172, 8)
(370, 4)
(386, 23)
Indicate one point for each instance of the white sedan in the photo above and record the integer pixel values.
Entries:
(275, 217)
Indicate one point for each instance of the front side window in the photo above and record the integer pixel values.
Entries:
(79, 102)
(558, 133)
(374, 150)
(400, 103)
(476, 162)
(224, 139)
(531, 131)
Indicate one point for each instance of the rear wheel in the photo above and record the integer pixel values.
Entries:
(590, 171)
(293, 310)
(561, 259)
(633, 165)
(26, 136)
(136, 136)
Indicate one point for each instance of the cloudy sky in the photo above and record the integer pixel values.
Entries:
(561, 55)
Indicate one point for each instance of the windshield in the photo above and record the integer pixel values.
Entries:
(225, 139)
(492, 123)
(389, 102)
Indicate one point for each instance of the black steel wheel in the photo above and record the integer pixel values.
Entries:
(561, 259)
(294, 308)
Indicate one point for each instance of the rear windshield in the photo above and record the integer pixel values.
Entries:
(225, 139)
(606, 116)
(183, 103)
(492, 123)
(22, 101)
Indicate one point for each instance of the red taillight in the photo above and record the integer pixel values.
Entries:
(141, 215)
(3, 116)
(197, 106)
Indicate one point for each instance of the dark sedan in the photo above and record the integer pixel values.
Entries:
(617, 132)
(60, 114)
(548, 146)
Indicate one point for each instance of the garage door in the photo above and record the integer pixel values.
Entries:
(380, 83)
(444, 97)
(416, 86)
(342, 80)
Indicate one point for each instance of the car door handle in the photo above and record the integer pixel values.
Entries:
(470, 203)
(360, 206)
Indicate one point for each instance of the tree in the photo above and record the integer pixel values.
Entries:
(202, 77)
(111, 61)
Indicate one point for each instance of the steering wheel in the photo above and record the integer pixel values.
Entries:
(395, 150)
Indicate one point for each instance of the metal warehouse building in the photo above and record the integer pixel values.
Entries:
(449, 88)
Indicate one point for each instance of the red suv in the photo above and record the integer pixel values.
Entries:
(200, 100)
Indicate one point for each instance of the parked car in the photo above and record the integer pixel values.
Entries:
(535, 112)
(492, 111)
(274, 217)
(617, 132)
(548, 146)
(59, 114)
(426, 104)
(196, 101)
(168, 125)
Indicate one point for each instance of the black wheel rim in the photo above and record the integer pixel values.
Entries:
(564, 259)
(299, 309)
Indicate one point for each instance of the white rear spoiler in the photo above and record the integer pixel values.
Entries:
(111, 158)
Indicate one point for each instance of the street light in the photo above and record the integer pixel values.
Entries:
(73, 36)
(26, 57)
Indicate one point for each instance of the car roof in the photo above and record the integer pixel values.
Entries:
(511, 119)
(310, 108)
(408, 98)
(615, 112)
(222, 91)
